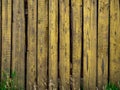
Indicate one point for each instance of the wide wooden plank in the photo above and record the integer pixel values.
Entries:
(6, 36)
(64, 47)
(90, 42)
(31, 54)
(18, 43)
(42, 43)
(53, 44)
(114, 41)
(76, 6)
(103, 29)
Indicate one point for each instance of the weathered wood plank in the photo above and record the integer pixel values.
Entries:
(53, 44)
(18, 43)
(64, 32)
(76, 6)
(103, 29)
(42, 43)
(90, 44)
(114, 41)
(0, 35)
(6, 36)
(31, 54)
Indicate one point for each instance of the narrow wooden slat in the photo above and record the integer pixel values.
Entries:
(53, 44)
(0, 15)
(0, 35)
(6, 36)
(18, 43)
(114, 41)
(42, 43)
(103, 18)
(64, 32)
(31, 55)
(76, 42)
(90, 44)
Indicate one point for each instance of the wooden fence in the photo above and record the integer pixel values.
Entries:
(60, 44)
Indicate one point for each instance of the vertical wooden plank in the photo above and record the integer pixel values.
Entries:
(0, 15)
(90, 42)
(103, 18)
(0, 35)
(64, 63)
(42, 43)
(76, 21)
(6, 35)
(18, 43)
(114, 41)
(31, 54)
(53, 44)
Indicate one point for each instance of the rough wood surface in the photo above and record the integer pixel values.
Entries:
(60, 44)
(0, 35)
(53, 45)
(64, 48)
(114, 41)
(18, 43)
(6, 36)
(42, 44)
(76, 20)
(90, 41)
(103, 31)
(31, 52)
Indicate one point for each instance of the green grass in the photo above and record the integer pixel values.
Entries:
(111, 86)
(8, 83)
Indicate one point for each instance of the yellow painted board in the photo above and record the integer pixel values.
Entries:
(64, 47)
(90, 42)
(103, 31)
(53, 45)
(31, 53)
(42, 51)
(76, 8)
(18, 43)
(6, 36)
(114, 41)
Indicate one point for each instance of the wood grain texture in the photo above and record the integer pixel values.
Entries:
(90, 42)
(76, 6)
(45, 47)
(6, 36)
(42, 43)
(53, 45)
(18, 43)
(64, 48)
(114, 41)
(31, 54)
(0, 38)
(103, 29)
(0, 35)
